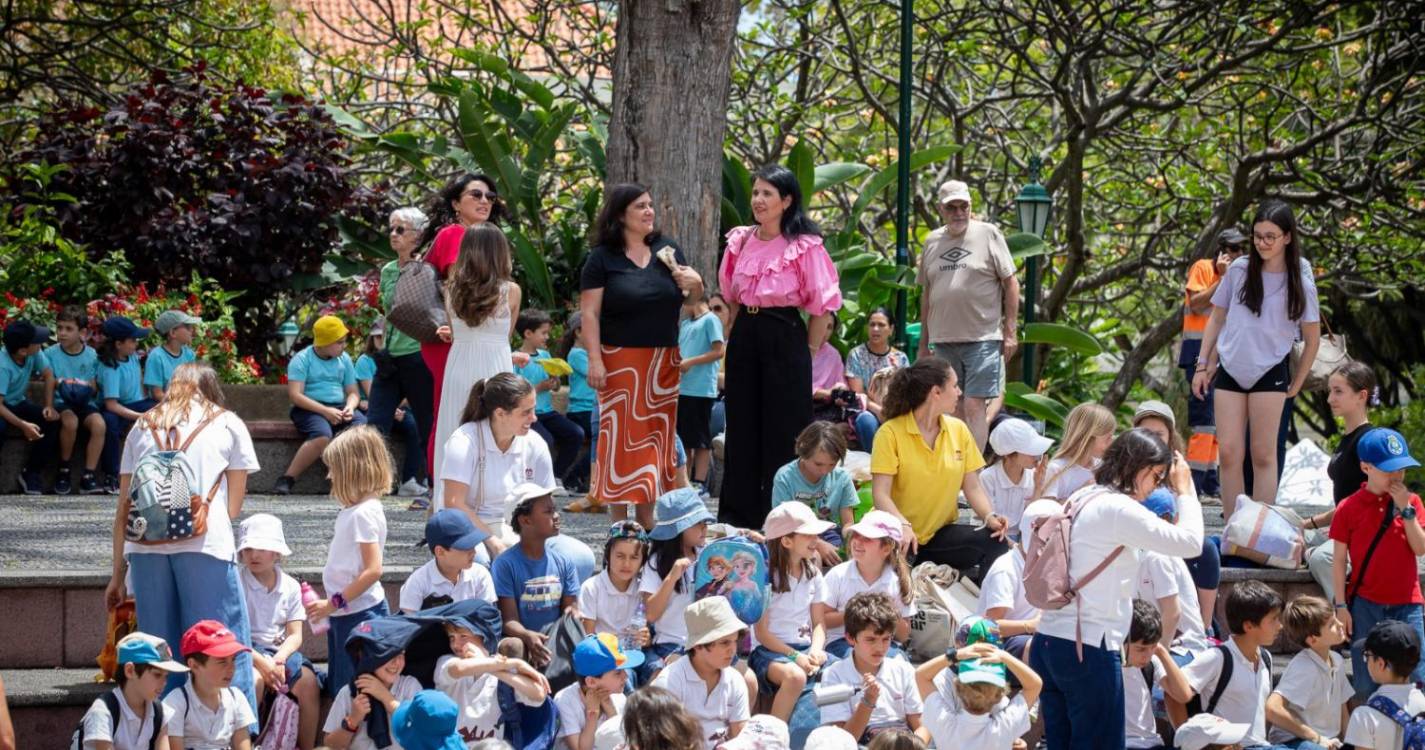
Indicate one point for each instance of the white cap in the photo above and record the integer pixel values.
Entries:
(1017, 436)
(762, 732)
(831, 738)
(954, 190)
(1033, 512)
(1205, 729)
(609, 735)
(263, 531)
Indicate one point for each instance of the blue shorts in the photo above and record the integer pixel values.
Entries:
(294, 664)
(81, 410)
(654, 655)
(978, 365)
(313, 425)
(762, 659)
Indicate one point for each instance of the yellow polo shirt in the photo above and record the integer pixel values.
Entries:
(926, 480)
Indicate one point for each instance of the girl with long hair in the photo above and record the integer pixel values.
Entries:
(1087, 434)
(1266, 300)
(1351, 392)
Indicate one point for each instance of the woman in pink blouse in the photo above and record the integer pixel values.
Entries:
(771, 273)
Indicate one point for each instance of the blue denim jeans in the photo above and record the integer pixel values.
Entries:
(866, 426)
(1364, 615)
(173, 592)
(341, 670)
(1300, 744)
(1082, 701)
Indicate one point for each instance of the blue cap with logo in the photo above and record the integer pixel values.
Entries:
(427, 722)
(1162, 503)
(452, 529)
(1386, 450)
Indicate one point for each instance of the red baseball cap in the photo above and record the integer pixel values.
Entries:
(212, 638)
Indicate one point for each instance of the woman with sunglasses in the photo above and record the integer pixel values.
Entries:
(467, 201)
(1263, 303)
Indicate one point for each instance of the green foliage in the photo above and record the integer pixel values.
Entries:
(35, 259)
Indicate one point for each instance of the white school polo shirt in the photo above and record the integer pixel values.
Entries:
(1371, 728)
(715, 709)
(844, 581)
(133, 732)
(1161, 576)
(202, 728)
(362, 523)
(269, 611)
(1007, 498)
(1142, 729)
(478, 699)
(1245, 699)
(670, 626)
(789, 612)
(1316, 690)
(473, 583)
(899, 695)
(1004, 587)
(609, 608)
(527, 460)
(569, 704)
(951, 726)
(406, 688)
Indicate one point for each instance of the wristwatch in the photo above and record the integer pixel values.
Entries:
(348, 726)
(1408, 513)
(952, 655)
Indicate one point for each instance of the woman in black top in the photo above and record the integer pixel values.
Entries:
(631, 294)
(1352, 393)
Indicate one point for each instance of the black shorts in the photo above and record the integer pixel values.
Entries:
(694, 421)
(1275, 380)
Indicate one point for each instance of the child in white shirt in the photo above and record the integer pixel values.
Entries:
(1146, 663)
(876, 565)
(610, 601)
(968, 706)
(1392, 653)
(886, 696)
(471, 676)
(451, 574)
(1309, 702)
(1019, 456)
(598, 695)
(791, 636)
(144, 662)
(208, 713)
(704, 681)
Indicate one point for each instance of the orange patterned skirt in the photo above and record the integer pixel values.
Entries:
(638, 413)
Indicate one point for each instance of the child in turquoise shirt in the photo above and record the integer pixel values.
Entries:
(816, 478)
(583, 404)
(22, 363)
(120, 391)
(75, 386)
(176, 328)
(563, 436)
(321, 383)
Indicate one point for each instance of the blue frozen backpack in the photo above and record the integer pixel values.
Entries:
(736, 568)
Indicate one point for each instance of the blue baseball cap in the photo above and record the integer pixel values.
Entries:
(22, 333)
(1161, 503)
(452, 529)
(142, 648)
(599, 653)
(1386, 450)
(119, 327)
(677, 511)
(427, 722)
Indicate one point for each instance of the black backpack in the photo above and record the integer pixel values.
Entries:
(111, 702)
(1195, 706)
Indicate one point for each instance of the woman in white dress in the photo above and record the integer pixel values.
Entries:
(482, 303)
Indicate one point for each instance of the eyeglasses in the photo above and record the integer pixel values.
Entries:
(480, 195)
(398, 230)
(953, 208)
(1267, 238)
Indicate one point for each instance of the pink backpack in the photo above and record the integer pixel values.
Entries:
(1047, 584)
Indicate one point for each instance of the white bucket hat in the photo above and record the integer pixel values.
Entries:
(263, 531)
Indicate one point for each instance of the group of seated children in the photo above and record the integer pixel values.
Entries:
(104, 390)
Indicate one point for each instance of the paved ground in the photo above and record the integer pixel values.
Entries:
(42, 533)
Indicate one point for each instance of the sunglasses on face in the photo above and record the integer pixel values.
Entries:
(480, 195)
(398, 230)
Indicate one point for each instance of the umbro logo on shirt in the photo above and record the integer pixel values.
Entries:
(955, 255)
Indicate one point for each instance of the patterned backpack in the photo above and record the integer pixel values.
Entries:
(1412, 728)
(164, 505)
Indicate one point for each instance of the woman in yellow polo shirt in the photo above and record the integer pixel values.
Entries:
(922, 459)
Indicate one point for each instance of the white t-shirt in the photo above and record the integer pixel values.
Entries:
(406, 688)
(789, 613)
(269, 611)
(1245, 699)
(724, 705)
(610, 609)
(473, 583)
(1161, 576)
(362, 523)
(1003, 586)
(844, 581)
(1248, 345)
(201, 728)
(133, 731)
(223, 445)
(670, 626)
(1007, 498)
(1373, 729)
(1065, 478)
(1316, 690)
(899, 695)
(569, 703)
(527, 460)
(951, 726)
(1142, 729)
(478, 699)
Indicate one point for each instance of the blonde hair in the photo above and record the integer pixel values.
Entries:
(879, 384)
(979, 698)
(1085, 423)
(360, 465)
(194, 384)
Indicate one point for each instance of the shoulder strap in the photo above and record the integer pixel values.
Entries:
(207, 420)
(1391, 709)
(1148, 672)
(111, 702)
(1360, 576)
(1073, 513)
(1223, 677)
(480, 466)
(158, 722)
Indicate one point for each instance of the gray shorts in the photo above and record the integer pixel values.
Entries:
(977, 364)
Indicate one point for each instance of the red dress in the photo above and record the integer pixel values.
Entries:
(442, 255)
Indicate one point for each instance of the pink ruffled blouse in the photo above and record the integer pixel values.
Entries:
(779, 272)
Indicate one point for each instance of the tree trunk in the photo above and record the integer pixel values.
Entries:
(672, 73)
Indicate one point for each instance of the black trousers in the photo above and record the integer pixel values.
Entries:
(47, 447)
(964, 548)
(406, 378)
(768, 396)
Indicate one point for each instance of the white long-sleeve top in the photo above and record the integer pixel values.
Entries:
(1112, 518)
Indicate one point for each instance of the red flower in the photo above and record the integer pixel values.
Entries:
(48, 292)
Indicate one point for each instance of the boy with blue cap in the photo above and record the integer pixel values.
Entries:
(22, 363)
(1378, 530)
(472, 677)
(451, 574)
(132, 716)
(603, 669)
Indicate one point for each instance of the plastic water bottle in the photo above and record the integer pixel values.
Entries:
(309, 595)
(628, 640)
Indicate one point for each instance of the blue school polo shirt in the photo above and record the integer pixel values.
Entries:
(15, 379)
(535, 374)
(123, 383)
(581, 396)
(365, 370)
(323, 380)
(83, 366)
(695, 338)
(158, 368)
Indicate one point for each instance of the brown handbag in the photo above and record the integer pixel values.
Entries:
(418, 304)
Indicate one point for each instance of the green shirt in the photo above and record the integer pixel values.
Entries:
(397, 343)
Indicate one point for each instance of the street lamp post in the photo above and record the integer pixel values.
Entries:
(903, 166)
(1034, 205)
(287, 337)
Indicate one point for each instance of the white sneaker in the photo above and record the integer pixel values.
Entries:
(411, 488)
(559, 490)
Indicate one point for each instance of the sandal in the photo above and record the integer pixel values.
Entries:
(420, 503)
(585, 505)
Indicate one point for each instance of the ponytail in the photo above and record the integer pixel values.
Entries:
(910, 386)
(503, 391)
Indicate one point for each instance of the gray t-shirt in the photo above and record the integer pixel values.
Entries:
(1248, 345)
